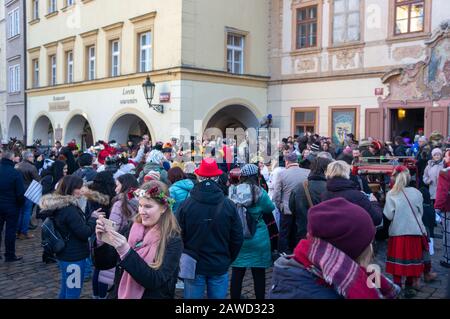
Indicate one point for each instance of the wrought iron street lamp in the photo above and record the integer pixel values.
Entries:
(149, 91)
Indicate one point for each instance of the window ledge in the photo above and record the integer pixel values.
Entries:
(14, 37)
(346, 46)
(408, 37)
(14, 93)
(86, 1)
(67, 7)
(52, 14)
(34, 21)
(306, 51)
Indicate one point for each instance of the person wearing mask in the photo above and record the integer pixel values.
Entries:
(407, 233)
(287, 181)
(212, 234)
(431, 173)
(69, 220)
(332, 262)
(12, 198)
(30, 174)
(256, 251)
(308, 194)
(340, 185)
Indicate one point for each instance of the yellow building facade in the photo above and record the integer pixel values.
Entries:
(87, 61)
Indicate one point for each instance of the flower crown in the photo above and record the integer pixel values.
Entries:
(153, 193)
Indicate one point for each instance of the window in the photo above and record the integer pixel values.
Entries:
(36, 73)
(53, 70)
(115, 58)
(306, 27)
(14, 78)
(13, 23)
(235, 54)
(69, 78)
(69, 3)
(91, 63)
(35, 9)
(346, 21)
(304, 121)
(145, 52)
(52, 6)
(409, 16)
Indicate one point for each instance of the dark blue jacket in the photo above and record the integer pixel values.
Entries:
(224, 238)
(11, 187)
(347, 189)
(290, 280)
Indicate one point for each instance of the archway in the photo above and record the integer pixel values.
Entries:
(15, 128)
(79, 129)
(128, 127)
(43, 130)
(233, 117)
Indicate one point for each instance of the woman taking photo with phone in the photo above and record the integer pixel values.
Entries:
(149, 254)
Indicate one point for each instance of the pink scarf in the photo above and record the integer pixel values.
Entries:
(129, 288)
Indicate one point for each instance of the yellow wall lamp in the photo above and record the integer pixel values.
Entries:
(401, 114)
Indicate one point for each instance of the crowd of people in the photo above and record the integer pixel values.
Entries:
(141, 220)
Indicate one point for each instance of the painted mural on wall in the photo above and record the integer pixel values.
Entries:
(425, 80)
(343, 123)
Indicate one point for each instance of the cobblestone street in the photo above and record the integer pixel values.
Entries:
(32, 279)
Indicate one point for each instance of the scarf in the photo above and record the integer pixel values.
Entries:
(148, 244)
(339, 271)
(433, 163)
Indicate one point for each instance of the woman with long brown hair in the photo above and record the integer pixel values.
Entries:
(150, 253)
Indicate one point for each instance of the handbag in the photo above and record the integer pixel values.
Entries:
(34, 192)
(425, 244)
(188, 264)
(307, 193)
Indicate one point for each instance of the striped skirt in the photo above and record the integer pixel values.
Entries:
(405, 256)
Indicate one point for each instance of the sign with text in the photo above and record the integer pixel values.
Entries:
(164, 97)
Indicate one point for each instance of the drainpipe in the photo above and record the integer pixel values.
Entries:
(25, 73)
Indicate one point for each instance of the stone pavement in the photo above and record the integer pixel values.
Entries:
(32, 279)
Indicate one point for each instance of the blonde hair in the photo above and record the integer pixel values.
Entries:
(338, 169)
(402, 180)
(167, 223)
(366, 258)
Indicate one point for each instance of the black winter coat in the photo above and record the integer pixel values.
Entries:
(298, 203)
(11, 187)
(96, 200)
(219, 243)
(71, 223)
(345, 188)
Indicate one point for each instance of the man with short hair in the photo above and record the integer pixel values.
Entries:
(212, 234)
(11, 200)
(30, 174)
(286, 182)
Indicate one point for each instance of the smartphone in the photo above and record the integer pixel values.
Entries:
(109, 226)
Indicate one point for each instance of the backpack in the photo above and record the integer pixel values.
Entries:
(249, 223)
(52, 241)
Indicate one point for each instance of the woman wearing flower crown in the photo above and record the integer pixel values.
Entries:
(149, 254)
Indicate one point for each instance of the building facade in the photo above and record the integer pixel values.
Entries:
(15, 109)
(3, 91)
(374, 68)
(86, 70)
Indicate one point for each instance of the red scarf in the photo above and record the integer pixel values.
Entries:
(340, 272)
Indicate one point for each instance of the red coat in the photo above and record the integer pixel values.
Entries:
(443, 191)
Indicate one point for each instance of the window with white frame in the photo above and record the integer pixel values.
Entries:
(145, 52)
(69, 3)
(13, 23)
(52, 6)
(346, 21)
(53, 70)
(69, 67)
(91, 63)
(35, 9)
(14, 78)
(115, 58)
(235, 53)
(36, 73)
